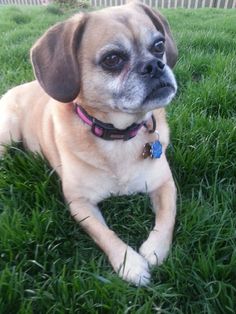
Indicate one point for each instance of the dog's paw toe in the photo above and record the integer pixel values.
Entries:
(133, 268)
(154, 249)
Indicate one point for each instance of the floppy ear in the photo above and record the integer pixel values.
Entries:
(55, 59)
(162, 25)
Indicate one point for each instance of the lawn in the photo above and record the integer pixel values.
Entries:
(49, 265)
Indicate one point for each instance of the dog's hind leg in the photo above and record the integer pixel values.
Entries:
(9, 122)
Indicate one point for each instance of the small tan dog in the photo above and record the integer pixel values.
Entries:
(103, 79)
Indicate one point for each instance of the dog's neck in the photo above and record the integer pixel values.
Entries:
(108, 131)
(120, 120)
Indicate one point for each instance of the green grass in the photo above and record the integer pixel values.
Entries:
(49, 265)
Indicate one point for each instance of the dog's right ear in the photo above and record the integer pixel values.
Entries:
(55, 59)
(162, 25)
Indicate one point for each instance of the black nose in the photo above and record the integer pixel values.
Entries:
(151, 68)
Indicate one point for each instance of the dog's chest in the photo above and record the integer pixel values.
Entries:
(116, 168)
(130, 173)
(141, 177)
(128, 179)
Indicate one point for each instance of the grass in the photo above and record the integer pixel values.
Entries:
(47, 263)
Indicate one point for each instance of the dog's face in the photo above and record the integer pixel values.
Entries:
(118, 58)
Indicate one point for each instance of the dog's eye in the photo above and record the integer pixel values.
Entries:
(113, 61)
(158, 47)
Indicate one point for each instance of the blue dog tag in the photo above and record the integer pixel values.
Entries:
(156, 149)
(153, 150)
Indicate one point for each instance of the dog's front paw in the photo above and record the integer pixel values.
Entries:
(156, 248)
(131, 267)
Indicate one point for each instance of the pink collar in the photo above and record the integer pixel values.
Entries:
(107, 131)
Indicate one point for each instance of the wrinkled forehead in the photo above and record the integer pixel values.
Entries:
(119, 26)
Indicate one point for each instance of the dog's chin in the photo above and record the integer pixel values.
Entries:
(159, 92)
(158, 97)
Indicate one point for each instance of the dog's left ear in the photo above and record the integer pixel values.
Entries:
(55, 59)
(162, 26)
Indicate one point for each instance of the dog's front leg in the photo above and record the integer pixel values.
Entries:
(130, 265)
(155, 249)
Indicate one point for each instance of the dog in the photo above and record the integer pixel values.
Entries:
(96, 112)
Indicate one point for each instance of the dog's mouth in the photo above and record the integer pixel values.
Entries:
(161, 91)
